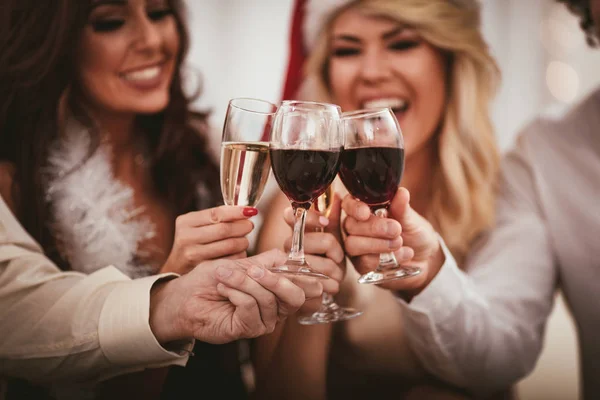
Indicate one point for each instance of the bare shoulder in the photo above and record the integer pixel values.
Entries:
(7, 173)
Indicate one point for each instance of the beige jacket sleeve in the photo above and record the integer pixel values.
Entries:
(57, 325)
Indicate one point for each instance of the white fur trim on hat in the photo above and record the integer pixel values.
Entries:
(316, 14)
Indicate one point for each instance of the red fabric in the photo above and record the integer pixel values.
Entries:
(294, 74)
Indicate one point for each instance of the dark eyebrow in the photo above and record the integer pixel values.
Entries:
(392, 33)
(99, 3)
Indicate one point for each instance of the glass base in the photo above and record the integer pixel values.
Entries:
(385, 273)
(329, 313)
(301, 268)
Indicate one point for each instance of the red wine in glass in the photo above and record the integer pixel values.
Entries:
(372, 174)
(371, 168)
(306, 141)
(303, 175)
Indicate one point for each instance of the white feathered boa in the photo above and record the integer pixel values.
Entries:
(94, 218)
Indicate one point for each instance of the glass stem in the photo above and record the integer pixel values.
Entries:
(386, 260)
(297, 251)
(327, 300)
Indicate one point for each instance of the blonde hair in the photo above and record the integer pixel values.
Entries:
(464, 180)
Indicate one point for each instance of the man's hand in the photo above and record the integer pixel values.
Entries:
(224, 300)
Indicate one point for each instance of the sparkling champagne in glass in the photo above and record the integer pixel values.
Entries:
(245, 158)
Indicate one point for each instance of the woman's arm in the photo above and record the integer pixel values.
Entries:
(483, 330)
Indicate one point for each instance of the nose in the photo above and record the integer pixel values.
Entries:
(148, 34)
(375, 67)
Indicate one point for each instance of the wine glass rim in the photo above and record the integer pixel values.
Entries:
(368, 112)
(232, 103)
(313, 103)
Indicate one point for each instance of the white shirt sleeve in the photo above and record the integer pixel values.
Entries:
(59, 325)
(483, 329)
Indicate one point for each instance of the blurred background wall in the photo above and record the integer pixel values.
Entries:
(240, 48)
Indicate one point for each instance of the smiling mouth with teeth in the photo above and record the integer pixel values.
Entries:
(144, 74)
(396, 104)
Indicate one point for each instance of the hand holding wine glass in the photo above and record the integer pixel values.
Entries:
(329, 311)
(305, 151)
(404, 227)
(371, 169)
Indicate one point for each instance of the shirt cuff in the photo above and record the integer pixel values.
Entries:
(443, 294)
(124, 329)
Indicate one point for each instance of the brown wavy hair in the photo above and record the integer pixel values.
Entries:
(37, 67)
(581, 8)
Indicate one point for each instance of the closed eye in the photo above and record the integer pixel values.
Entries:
(107, 25)
(403, 45)
(345, 52)
(157, 15)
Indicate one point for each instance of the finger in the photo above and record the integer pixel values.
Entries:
(361, 245)
(312, 287)
(237, 278)
(247, 322)
(326, 266)
(313, 219)
(320, 243)
(267, 259)
(366, 263)
(369, 262)
(290, 296)
(215, 215)
(356, 209)
(400, 203)
(375, 227)
(212, 233)
(329, 268)
(404, 255)
(311, 306)
(211, 251)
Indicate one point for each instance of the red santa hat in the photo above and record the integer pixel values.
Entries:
(308, 19)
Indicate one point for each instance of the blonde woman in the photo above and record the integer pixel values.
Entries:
(427, 60)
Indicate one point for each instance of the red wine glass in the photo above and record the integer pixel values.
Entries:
(305, 148)
(371, 168)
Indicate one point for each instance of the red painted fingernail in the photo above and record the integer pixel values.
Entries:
(250, 211)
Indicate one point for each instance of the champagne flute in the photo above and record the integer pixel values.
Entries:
(305, 148)
(329, 311)
(245, 159)
(371, 169)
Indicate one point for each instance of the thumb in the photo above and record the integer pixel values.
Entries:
(400, 206)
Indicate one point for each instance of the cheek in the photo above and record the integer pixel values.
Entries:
(340, 80)
(172, 39)
(429, 86)
(98, 67)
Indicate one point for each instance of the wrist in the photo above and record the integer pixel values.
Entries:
(432, 267)
(162, 316)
